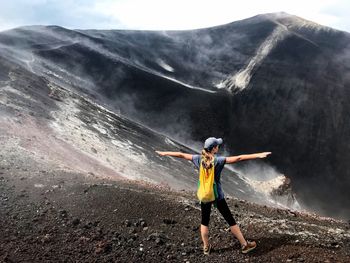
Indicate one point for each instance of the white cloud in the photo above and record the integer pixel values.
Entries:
(184, 14)
(165, 14)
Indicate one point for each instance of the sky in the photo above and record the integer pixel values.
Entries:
(163, 14)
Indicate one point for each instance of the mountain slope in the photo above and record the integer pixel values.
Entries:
(62, 130)
(272, 82)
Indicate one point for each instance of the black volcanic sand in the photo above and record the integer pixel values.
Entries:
(54, 215)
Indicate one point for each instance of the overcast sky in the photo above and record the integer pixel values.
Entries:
(163, 14)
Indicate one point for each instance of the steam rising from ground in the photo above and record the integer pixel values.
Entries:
(265, 179)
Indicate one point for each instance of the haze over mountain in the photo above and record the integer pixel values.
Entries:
(273, 82)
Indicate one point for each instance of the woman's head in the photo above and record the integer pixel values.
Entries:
(211, 144)
(211, 147)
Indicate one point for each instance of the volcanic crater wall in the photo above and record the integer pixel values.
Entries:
(272, 82)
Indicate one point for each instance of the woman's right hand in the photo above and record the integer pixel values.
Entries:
(161, 153)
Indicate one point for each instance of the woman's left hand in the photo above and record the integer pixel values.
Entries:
(263, 155)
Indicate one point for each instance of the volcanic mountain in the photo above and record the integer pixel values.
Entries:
(273, 82)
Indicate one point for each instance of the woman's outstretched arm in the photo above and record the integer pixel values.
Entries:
(176, 154)
(234, 159)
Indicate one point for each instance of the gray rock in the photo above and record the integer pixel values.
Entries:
(93, 150)
(169, 221)
(75, 221)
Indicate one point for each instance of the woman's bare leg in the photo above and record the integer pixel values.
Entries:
(238, 234)
(226, 213)
(205, 235)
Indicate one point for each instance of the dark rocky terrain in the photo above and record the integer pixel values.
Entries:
(51, 215)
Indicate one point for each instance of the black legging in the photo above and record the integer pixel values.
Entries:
(223, 208)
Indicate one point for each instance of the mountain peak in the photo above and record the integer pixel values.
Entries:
(293, 21)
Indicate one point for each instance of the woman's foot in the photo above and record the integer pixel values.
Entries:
(249, 247)
(206, 250)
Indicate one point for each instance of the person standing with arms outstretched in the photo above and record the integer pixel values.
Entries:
(206, 161)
